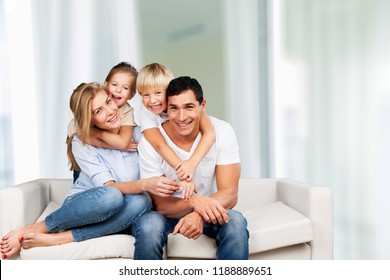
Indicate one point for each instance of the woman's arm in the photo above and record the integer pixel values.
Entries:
(159, 186)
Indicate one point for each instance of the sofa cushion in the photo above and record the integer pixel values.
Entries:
(271, 226)
(276, 225)
(51, 207)
(111, 246)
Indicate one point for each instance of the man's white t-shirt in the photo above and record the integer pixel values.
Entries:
(224, 151)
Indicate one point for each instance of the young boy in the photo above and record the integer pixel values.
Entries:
(152, 81)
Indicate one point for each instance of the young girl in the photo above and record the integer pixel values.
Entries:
(108, 196)
(152, 81)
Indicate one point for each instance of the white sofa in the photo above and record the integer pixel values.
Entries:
(286, 220)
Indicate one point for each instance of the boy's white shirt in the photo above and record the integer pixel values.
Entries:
(150, 120)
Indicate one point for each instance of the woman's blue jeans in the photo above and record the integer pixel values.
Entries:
(151, 231)
(97, 212)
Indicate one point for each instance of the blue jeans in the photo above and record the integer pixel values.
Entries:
(151, 231)
(97, 212)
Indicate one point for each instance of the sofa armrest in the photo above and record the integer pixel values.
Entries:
(22, 204)
(316, 203)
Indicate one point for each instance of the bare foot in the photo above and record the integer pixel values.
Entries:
(10, 243)
(34, 239)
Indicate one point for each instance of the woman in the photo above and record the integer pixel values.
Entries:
(108, 196)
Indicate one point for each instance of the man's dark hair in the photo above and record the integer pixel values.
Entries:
(183, 83)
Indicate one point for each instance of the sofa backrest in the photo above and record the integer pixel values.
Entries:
(253, 193)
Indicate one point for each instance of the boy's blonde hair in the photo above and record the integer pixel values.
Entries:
(153, 75)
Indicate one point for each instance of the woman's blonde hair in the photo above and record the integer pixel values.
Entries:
(153, 75)
(80, 104)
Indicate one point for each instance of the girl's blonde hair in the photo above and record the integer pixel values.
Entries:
(153, 75)
(80, 104)
(124, 67)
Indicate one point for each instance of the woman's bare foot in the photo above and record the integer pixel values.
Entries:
(34, 239)
(10, 243)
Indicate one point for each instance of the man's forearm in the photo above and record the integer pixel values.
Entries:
(172, 207)
(227, 198)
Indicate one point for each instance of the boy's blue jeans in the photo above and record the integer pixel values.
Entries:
(97, 212)
(151, 231)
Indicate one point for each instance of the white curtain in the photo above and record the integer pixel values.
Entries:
(331, 101)
(53, 46)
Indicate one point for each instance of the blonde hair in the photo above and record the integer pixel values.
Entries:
(80, 104)
(124, 67)
(153, 75)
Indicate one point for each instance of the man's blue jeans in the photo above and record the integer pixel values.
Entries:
(97, 212)
(151, 231)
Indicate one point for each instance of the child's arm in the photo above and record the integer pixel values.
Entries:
(120, 141)
(188, 189)
(187, 168)
(155, 138)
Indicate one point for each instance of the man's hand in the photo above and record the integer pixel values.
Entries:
(210, 209)
(191, 226)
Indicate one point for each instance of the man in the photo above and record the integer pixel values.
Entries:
(209, 211)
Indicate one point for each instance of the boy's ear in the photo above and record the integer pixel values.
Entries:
(105, 83)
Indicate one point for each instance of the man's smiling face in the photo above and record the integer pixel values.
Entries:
(184, 113)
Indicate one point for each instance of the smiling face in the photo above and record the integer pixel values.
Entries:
(153, 99)
(105, 112)
(120, 87)
(184, 113)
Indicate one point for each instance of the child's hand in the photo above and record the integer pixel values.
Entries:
(186, 170)
(188, 189)
(132, 147)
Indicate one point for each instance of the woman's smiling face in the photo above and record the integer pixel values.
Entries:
(104, 112)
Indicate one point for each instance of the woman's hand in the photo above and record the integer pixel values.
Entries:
(161, 186)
